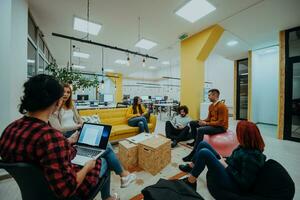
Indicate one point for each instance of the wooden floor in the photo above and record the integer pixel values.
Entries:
(285, 152)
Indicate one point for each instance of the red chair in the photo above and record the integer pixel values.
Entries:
(223, 143)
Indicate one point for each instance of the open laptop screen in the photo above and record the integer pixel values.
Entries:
(95, 135)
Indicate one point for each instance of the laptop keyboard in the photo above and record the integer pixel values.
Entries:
(87, 152)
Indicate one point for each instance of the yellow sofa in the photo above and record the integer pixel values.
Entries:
(117, 118)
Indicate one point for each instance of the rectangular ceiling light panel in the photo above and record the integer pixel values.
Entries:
(86, 26)
(145, 44)
(80, 55)
(195, 9)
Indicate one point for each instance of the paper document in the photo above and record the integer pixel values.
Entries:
(140, 137)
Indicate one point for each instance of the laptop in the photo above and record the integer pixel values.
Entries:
(92, 142)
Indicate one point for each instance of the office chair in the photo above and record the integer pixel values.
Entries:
(33, 184)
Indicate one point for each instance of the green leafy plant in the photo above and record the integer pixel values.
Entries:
(77, 80)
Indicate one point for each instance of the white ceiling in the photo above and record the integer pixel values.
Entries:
(254, 23)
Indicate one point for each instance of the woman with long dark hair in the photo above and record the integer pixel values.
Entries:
(66, 119)
(31, 139)
(239, 171)
(136, 115)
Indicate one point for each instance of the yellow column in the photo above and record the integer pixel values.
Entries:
(194, 52)
(249, 114)
(281, 92)
(117, 78)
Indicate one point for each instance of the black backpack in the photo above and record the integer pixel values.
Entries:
(170, 189)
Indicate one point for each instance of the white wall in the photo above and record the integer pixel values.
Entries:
(13, 57)
(131, 87)
(265, 76)
(220, 71)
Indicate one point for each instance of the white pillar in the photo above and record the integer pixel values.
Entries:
(13, 58)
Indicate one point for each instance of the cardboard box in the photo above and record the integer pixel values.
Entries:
(128, 154)
(154, 154)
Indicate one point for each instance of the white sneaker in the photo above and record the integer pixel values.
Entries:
(125, 181)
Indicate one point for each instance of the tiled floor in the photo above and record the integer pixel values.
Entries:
(285, 152)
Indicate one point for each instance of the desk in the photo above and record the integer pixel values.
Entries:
(95, 107)
(168, 105)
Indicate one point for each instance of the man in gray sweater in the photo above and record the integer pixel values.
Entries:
(177, 129)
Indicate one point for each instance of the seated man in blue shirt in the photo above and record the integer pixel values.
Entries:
(177, 129)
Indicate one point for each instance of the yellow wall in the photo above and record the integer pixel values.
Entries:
(194, 52)
(119, 85)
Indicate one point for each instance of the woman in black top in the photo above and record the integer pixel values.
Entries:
(238, 172)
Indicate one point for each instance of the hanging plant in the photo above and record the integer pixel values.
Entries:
(77, 80)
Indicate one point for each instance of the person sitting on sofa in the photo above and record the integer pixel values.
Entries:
(177, 129)
(136, 115)
(66, 119)
(109, 154)
(31, 139)
(239, 171)
(216, 121)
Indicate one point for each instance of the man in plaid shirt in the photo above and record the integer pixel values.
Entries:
(31, 139)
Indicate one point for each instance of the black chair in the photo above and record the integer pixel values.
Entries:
(273, 183)
(33, 184)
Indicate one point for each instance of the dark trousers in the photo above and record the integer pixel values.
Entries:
(177, 134)
(199, 131)
(206, 156)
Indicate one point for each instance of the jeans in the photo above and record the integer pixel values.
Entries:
(112, 160)
(177, 134)
(207, 156)
(199, 131)
(105, 191)
(109, 162)
(141, 122)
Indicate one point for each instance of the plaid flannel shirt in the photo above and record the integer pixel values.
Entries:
(32, 140)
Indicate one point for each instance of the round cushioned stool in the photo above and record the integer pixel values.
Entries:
(223, 143)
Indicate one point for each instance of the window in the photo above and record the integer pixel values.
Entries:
(41, 45)
(294, 43)
(41, 65)
(31, 29)
(31, 63)
(242, 89)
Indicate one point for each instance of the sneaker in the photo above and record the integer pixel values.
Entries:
(192, 185)
(188, 158)
(191, 144)
(173, 144)
(115, 196)
(125, 181)
(185, 168)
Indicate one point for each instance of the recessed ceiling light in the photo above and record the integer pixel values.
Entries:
(109, 70)
(78, 66)
(80, 54)
(195, 9)
(145, 44)
(30, 61)
(232, 43)
(165, 62)
(152, 67)
(86, 26)
(121, 62)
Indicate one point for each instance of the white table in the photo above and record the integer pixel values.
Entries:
(95, 107)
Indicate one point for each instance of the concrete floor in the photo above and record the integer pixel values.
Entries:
(285, 152)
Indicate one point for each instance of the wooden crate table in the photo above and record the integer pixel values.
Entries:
(128, 154)
(154, 154)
